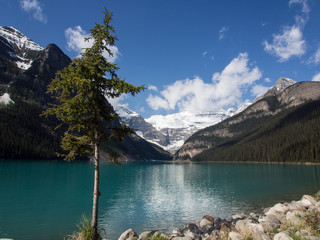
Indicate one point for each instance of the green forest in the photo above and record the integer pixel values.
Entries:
(293, 135)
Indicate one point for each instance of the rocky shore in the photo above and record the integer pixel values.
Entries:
(297, 220)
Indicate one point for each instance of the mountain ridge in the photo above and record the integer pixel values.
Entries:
(233, 135)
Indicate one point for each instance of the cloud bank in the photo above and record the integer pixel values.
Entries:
(194, 95)
(34, 7)
(76, 42)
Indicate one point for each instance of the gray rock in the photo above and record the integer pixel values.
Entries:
(259, 235)
(218, 222)
(312, 237)
(310, 198)
(145, 235)
(282, 236)
(206, 226)
(196, 234)
(295, 217)
(278, 209)
(128, 235)
(235, 236)
(181, 238)
(208, 217)
(242, 227)
(269, 226)
(296, 206)
(176, 232)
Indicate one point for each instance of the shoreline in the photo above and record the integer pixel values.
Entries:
(295, 220)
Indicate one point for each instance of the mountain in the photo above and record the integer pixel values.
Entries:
(142, 128)
(170, 131)
(280, 126)
(179, 126)
(26, 69)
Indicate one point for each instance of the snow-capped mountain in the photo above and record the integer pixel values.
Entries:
(172, 130)
(179, 126)
(21, 49)
(142, 128)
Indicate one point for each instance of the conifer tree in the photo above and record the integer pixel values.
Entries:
(81, 92)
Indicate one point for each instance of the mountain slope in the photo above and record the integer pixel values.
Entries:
(280, 126)
(23, 133)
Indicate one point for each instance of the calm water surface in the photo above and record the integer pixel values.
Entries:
(45, 200)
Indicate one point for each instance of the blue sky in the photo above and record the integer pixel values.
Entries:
(193, 55)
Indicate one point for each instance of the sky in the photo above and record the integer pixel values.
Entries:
(195, 56)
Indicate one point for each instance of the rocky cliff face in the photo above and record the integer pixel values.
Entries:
(284, 95)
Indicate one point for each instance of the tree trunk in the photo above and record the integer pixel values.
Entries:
(96, 192)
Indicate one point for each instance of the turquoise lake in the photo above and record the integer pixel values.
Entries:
(45, 200)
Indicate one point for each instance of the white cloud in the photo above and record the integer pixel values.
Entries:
(259, 90)
(267, 80)
(287, 44)
(222, 32)
(290, 43)
(76, 42)
(153, 88)
(34, 7)
(304, 3)
(204, 53)
(315, 59)
(316, 78)
(156, 102)
(195, 95)
(118, 101)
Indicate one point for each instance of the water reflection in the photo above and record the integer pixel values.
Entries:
(44, 200)
(164, 196)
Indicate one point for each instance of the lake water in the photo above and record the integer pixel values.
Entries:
(45, 200)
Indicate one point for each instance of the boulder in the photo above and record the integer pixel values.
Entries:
(312, 199)
(294, 205)
(218, 222)
(242, 227)
(259, 235)
(295, 217)
(176, 232)
(209, 218)
(191, 230)
(128, 235)
(225, 229)
(306, 202)
(235, 236)
(181, 238)
(149, 234)
(282, 236)
(312, 237)
(269, 223)
(279, 208)
(206, 226)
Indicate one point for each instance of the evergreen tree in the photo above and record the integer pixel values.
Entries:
(81, 90)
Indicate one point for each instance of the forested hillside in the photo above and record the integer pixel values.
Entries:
(291, 136)
(280, 126)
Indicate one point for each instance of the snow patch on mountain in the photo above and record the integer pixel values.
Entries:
(20, 46)
(189, 120)
(15, 37)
